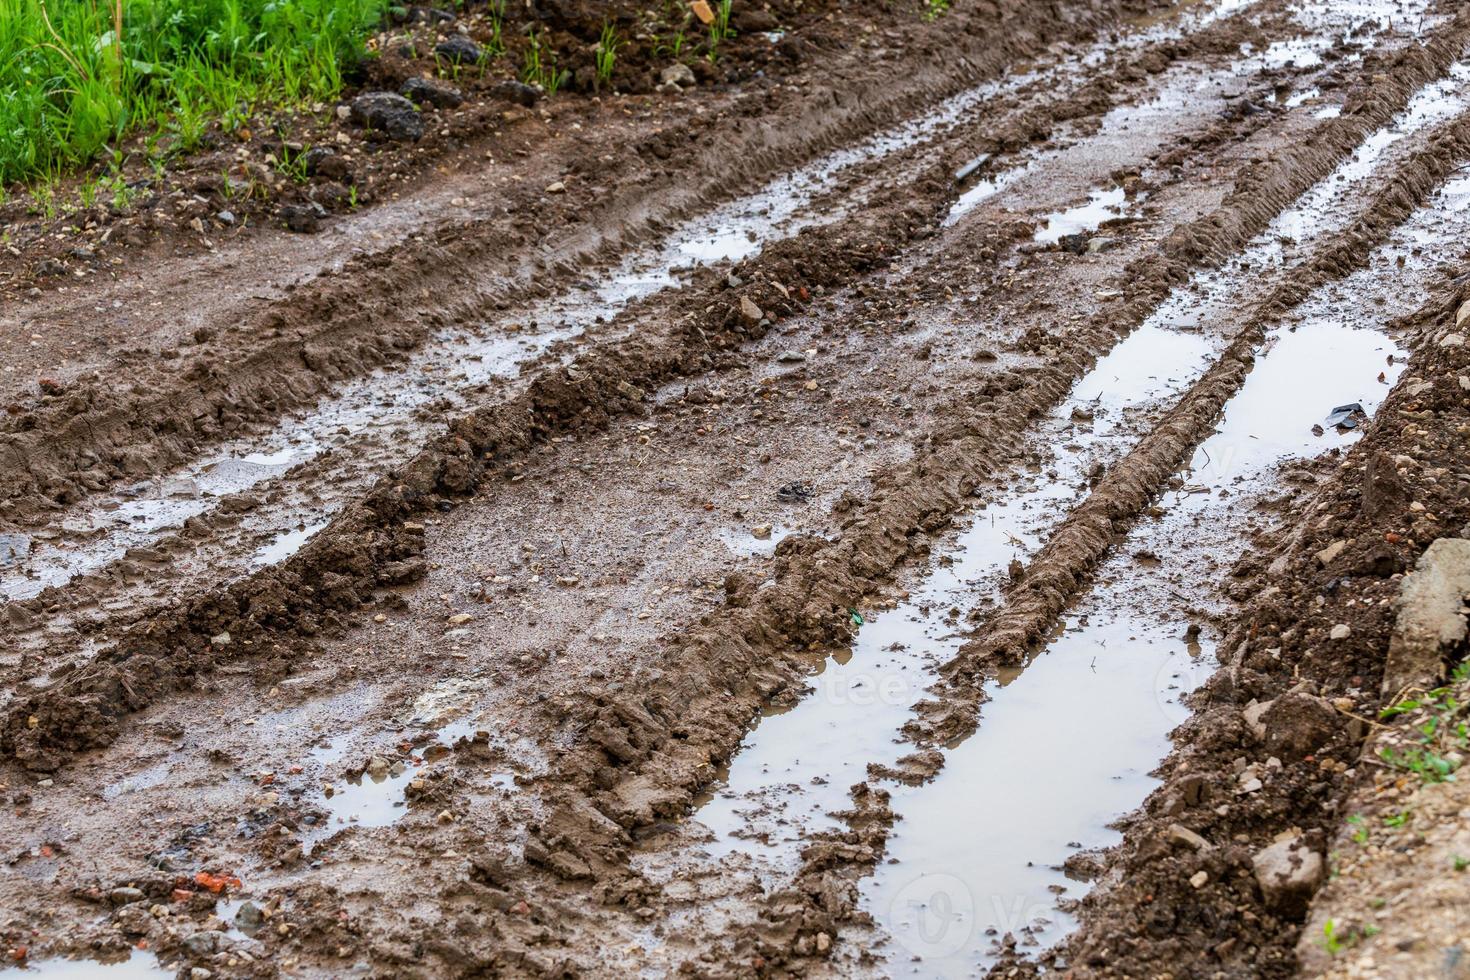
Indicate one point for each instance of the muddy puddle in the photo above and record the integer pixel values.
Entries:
(1102, 205)
(363, 778)
(138, 966)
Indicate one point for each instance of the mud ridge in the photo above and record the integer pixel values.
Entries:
(296, 350)
(1060, 570)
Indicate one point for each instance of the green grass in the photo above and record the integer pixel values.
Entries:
(76, 75)
(539, 66)
(719, 30)
(1437, 720)
(935, 9)
(606, 54)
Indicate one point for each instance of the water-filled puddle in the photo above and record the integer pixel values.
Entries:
(1069, 741)
(757, 541)
(138, 966)
(1103, 204)
(377, 797)
(284, 545)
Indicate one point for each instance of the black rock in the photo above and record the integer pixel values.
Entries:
(518, 92)
(1076, 244)
(305, 218)
(458, 50)
(393, 115)
(323, 162)
(426, 90)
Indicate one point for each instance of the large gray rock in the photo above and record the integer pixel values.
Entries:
(1289, 874)
(1431, 616)
(390, 114)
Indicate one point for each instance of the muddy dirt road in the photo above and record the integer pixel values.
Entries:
(939, 514)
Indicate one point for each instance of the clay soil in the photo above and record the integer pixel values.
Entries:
(386, 583)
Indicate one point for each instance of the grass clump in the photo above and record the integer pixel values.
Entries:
(539, 66)
(606, 55)
(76, 75)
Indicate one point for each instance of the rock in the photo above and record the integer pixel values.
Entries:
(377, 767)
(126, 896)
(1180, 834)
(676, 77)
(749, 310)
(303, 218)
(1340, 632)
(753, 20)
(1377, 561)
(1453, 340)
(1297, 724)
(458, 50)
(556, 187)
(225, 217)
(1289, 874)
(1100, 243)
(220, 640)
(761, 532)
(1383, 490)
(1462, 314)
(1252, 716)
(1430, 615)
(436, 93)
(791, 357)
(390, 114)
(1199, 879)
(1075, 244)
(1327, 554)
(249, 918)
(324, 162)
(518, 92)
(202, 944)
(458, 619)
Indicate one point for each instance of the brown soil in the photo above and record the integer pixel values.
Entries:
(559, 561)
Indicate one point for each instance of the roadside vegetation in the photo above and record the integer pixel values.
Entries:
(77, 75)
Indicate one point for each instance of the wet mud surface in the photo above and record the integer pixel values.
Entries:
(946, 518)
